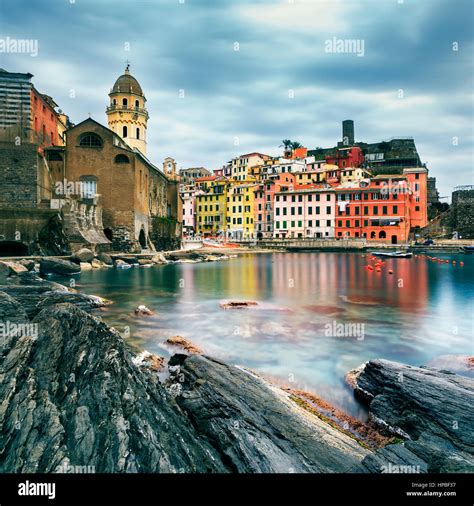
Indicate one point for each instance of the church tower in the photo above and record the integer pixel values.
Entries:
(127, 114)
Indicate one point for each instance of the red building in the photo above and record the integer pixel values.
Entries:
(44, 119)
(346, 157)
(387, 209)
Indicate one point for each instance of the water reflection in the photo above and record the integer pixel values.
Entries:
(421, 311)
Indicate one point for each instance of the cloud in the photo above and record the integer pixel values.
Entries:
(243, 96)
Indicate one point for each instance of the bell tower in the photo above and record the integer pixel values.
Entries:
(127, 114)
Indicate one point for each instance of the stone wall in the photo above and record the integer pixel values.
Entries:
(460, 217)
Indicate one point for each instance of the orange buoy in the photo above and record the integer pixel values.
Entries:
(447, 262)
(461, 264)
(370, 268)
(378, 269)
(454, 262)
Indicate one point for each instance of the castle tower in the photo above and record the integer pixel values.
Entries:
(127, 115)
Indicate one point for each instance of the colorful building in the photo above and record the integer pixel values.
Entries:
(240, 211)
(306, 211)
(210, 206)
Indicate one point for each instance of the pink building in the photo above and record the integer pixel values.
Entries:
(306, 211)
(189, 210)
(264, 202)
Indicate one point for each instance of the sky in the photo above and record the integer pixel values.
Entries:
(228, 77)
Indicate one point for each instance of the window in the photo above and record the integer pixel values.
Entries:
(121, 159)
(138, 133)
(317, 210)
(417, 176)
(124, 102)
(348, 223)
(310, 210)
(318, 197)
(339, 223)
(124, 131)
(417, 208)
(278, 211)
(328, 210)
(357, 223)
(395, 209)
(384, 210)
(376, 210)
(91, 140)
(366, 223)
(300, 198)
(356, 210)
(300, 210)
(348, 210)
(137, 103)
(292, 211)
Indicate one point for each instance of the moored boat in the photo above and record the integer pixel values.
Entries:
(393, 254)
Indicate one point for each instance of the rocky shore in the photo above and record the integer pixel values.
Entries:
(73, 394)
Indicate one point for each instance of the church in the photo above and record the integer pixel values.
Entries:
(141, 205)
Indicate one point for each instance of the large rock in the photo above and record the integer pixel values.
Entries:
(105, 258)
(83, 255)
(256, 426)
(73, 395)
(58, 266)
(431, 410)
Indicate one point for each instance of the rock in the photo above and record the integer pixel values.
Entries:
(159, 258)
(33, 298)
(83, 255)
(456, 363)
(58, 266)
(143, 311)
(144, 261)
(15, 268)
(29, 264)
(149, 361)
(96, 264)
(237, 305)
(75, 394)
(85, 266)
(127, 260)
(256, 425)
(105, 259)
(183, 343)
(423, 406)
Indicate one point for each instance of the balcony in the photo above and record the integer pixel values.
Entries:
(131, 108)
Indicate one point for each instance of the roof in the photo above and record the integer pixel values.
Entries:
(205, 178)
(126, 83)
(251, 154)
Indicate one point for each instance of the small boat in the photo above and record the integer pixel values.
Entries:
(467, 249)
(393, 254)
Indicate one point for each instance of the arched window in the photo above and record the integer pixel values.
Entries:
(91, 140)
(372, 235)
(124, 101)
(137, 103)
(121, 159)
(124, 131)
(382, 234)
(114, 101)
(138, 133)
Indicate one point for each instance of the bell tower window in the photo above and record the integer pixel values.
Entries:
(124, 102)
(138, 133)
(124, 131)
(137, 103)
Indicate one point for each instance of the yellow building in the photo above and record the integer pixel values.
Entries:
(211, 206)
(127, 114)
(240, 166)
(240, 211)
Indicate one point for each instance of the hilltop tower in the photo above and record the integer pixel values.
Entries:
(127, 115)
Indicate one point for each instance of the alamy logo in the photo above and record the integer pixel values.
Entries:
(399, 469)
(11, 329)
(335, 45)
(35, 489)
(337, 329)
(25, 46)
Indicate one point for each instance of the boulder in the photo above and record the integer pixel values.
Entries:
(58, 266)
(105, 259)
(159, 258)
(425, 407)
(144, 261)
(237, 305)
(143, 311)
(183, 343)
(83, 255)
(85, 266)
(29, 264)
(15, 268)
(96, 264)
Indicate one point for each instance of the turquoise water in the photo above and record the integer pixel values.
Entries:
(297, 333)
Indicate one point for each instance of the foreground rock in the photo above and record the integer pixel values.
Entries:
(83, 255)
(237, 304)
(431, 410)
(58, 266)
(72, 395)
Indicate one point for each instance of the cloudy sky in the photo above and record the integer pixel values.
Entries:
(226, 77)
